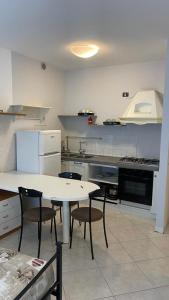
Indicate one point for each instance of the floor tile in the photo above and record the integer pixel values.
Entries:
(115, 254)
(142, 249)
(162, 242)
(99, 238)
(116, 270)
(77, 259)
(125, 278)
(164, 293)
(109, 298)
(156, 270)
(85, 285)
(143, 295)
(127, 233)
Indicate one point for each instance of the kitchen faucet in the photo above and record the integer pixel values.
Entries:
(82, 151)
(67, 144)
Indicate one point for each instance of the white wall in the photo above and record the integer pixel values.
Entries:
(163, 186)
(100, 89)
(5, 78)
(32, 86)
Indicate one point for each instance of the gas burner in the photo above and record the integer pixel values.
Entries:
(140, 160)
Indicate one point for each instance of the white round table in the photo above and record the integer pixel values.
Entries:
(53, 188)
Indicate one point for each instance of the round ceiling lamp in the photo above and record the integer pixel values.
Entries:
(84, 50)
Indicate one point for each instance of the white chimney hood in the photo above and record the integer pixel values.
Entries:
(145, 108)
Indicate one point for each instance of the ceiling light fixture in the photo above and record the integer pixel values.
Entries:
(84, 50)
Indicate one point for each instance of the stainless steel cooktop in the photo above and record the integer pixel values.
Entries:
(140, 160)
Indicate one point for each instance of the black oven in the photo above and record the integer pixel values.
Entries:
(135, 186)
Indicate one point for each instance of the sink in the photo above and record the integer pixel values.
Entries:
(76, 155)
(67, 154)
(83, 156)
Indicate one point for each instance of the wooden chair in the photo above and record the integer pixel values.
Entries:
(68, 175)
(36, 214)
(89, 215)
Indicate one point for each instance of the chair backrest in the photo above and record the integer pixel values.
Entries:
(70, 175)
(27, 194)
(100, 196)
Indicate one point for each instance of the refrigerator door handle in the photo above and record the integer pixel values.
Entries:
(50, 154)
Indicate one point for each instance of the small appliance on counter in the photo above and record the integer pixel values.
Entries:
(85, 112)
(112, 122)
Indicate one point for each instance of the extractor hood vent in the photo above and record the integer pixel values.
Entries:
(145, 108)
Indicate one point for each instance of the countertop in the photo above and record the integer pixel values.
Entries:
(111, 161)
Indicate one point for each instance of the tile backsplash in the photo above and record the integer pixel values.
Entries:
(133, 140)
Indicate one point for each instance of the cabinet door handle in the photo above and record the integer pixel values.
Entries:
(77, 163)
(4, 217)
(4, 205)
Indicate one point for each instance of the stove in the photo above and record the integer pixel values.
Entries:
(140, 160)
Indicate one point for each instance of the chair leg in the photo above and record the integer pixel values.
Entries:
(71, 234)
(51, 225)
(39, 236)
(38, 230)
(84, 230)
(60, 214)
(91, 242)
(104, 227)
(55, 229)
(70, 220)
(20, 239)
(78, 205)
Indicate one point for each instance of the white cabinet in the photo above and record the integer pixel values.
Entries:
(9, 212)
(77, 167)
(65, 166)
(154, 194)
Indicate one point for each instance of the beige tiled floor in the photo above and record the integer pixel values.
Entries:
(134, 267)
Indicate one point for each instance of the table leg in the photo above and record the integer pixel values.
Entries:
(66, 222)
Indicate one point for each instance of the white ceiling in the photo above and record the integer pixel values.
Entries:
(126, 30)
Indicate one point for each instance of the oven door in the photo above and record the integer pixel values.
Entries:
(135, 186)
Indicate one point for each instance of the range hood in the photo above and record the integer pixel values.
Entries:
(145, 108)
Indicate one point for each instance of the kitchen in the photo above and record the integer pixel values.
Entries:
(98, 88)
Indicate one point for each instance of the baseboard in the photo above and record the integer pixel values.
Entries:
(159, 229)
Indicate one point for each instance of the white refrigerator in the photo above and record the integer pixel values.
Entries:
(39, 151)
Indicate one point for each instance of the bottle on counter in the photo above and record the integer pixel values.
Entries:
(90, 120)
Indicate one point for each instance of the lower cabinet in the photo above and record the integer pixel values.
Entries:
(65, 166)
(77, 167)
(9, 212)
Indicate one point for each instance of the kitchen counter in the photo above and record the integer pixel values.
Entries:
(108, 160)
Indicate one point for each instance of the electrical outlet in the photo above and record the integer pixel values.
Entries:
(125, 94)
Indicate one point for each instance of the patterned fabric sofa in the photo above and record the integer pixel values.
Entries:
(17, 271)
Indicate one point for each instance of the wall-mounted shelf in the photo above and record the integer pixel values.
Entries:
(12, 114)
(77, 116)
(31, 112)
(107, 126)
(86, 117)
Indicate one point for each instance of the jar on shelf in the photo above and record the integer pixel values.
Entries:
(90, 120)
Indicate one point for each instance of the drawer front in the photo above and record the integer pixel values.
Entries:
(9, 214)
(13, 202)
(8, 226)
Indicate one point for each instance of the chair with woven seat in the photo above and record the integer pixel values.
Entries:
(67, 175)
(89, 215)
(37, 213)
